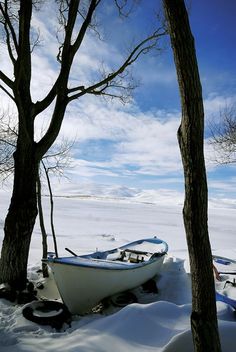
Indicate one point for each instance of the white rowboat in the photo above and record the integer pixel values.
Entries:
(83, 281)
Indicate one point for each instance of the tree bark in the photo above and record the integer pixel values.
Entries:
(191, 138)
(20, 219)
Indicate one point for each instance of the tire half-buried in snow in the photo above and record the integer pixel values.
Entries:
(51, 313)
(123, 299)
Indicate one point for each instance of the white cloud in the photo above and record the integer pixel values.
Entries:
(86, 169)
(152, 146)
(146, 141)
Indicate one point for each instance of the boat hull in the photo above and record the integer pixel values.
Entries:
(82, 288)
(83, 281)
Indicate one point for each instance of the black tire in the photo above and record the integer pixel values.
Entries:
(123, 299)
(50, 313)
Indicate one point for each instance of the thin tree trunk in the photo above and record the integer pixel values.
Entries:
(51, 209)
(42, 227)
(191, 137)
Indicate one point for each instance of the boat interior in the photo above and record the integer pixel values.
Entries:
(126, 255)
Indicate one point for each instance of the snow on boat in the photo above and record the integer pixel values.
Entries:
(83, 281)
(224, 265)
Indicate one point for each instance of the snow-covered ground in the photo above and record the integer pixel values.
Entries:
(106, 218)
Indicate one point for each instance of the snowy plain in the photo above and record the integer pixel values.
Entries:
(104, 218)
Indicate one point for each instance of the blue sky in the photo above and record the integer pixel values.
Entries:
(135, 145)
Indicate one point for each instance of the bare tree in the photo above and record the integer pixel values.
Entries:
(55, 163)
(76, 18)
(223, 131)
(191, 138)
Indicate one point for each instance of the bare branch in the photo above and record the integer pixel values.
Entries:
(142, 48)
(56, 160)
(120, 88)
(6, 80)
(59, 158)
(85, 25)
(6, 91)
(124, 10)
(223, 135)
(7, 147)
(93, 25)
(44, 103)
(11, 37)
(67, 50)
(68, 15)
(35, 40)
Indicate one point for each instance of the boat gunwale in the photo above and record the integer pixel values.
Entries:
(111, 264)
(87, 261)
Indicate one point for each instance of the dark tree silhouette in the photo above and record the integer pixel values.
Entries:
(191, 138)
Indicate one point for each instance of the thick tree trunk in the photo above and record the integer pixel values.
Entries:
(191, 136)
(20, 219)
